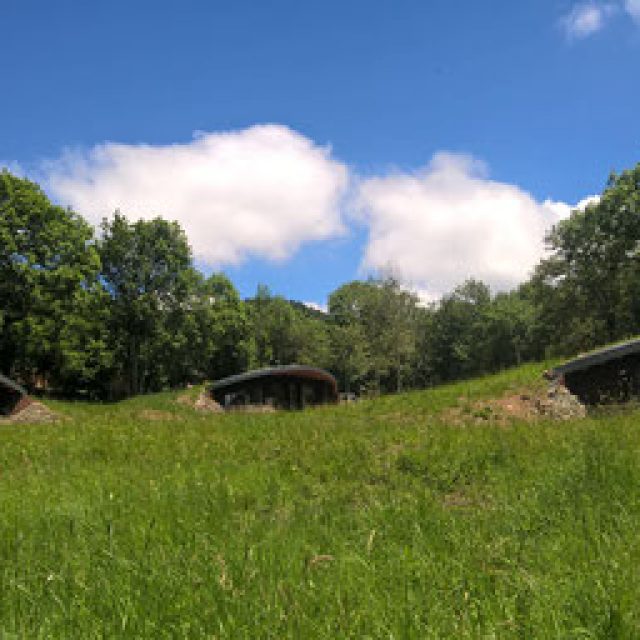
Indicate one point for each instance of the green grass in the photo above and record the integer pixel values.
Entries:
(377, 520)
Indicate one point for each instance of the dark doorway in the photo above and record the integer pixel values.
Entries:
(10, 395)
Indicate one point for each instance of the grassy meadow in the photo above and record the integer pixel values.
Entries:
(385, 519)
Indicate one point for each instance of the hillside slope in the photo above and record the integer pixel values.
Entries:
(382, 519)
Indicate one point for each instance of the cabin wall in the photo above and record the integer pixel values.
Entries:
(610, 382)
(9, 400)
(281, 392)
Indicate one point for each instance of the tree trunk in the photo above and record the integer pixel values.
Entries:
(133, 371)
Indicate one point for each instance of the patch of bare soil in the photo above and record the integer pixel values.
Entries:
(203, 402)
(206, 404)
(458, 500)
(186, 399)
(157, 415)
(555, 403)
(31, 411)
(252, 408)
(319, 560)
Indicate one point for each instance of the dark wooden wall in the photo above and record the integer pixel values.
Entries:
(611, 382)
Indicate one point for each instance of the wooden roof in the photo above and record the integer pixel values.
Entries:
(10, 384)
(597, 357)
(290, 370)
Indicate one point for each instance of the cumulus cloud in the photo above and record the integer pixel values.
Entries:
(449, 222)
(586, 19)
(633, 8)
(317, 306)
(261, 191)
(13, 167)
(266, 190)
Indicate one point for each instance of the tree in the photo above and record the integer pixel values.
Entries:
(284, 332)
(259, 316)
(386, 315)
(223, 338)
(508, 326)
(349, 354)
(586, 290)
(49, 292)
(147, 272)
(310, 340)
(457, 340)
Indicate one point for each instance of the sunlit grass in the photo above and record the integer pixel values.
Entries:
(377, 520)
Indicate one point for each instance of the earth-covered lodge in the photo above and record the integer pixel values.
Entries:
(606, 375)
(284, 387)
(12, 396)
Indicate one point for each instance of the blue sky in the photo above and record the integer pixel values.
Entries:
(438, 139)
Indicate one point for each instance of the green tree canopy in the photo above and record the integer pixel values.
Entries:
(285, 332)
(146, 269)
(48, 277)
(587, 290)
(386, 315)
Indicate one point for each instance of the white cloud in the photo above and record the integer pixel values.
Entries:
(266, 190)
(448, 222)
(261, 191)
(563, 210)
(586, 19)
(317, 306)
(633, 8)
(13, 167)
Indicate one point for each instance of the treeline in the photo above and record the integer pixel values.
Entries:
(126, 312)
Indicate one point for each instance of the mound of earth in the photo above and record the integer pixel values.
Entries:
(29, 410)
(556, 403)
(204, 402)
(560, 404)
(155, 414)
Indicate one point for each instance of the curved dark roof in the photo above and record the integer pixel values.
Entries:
(14, 386)
(598, 356)
(293, 370)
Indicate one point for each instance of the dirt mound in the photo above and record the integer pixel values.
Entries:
(560, 404)
(203, 402)
(157, 415)
(186, 399)
(556, 403)
(206, 404)
(29, 410)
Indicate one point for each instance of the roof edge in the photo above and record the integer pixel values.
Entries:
(288, 369)
(7, 382)
(596, 357)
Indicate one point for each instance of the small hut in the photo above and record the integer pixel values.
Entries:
(12, 396)
(284, 387)
(609, 374)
